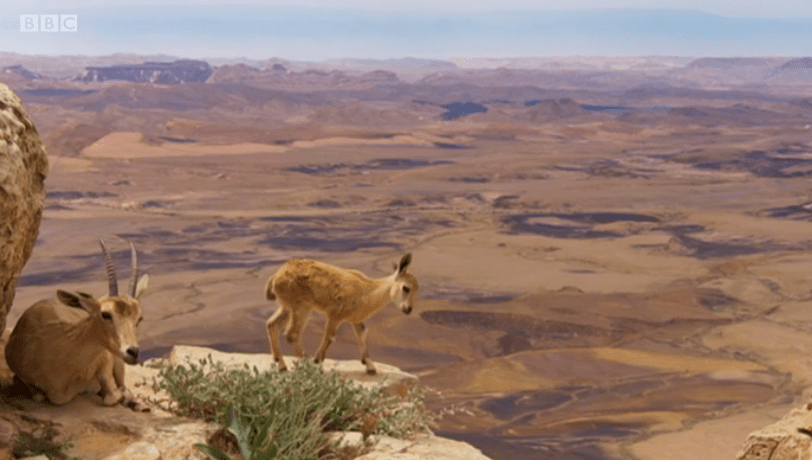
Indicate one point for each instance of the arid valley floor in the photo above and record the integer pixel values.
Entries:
(614, 264)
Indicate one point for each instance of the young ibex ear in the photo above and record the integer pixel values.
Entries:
(404, 262)
(81, 300)
(141, 286)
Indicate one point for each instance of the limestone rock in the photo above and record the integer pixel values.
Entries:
(177, 440)
(23, 167)
(391, 377)
(787, 439)
(7, 434)
(138, 451)
(422, 448)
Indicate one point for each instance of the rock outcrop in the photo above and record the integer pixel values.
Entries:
(787, 439)
(117, 433)
(23, 167)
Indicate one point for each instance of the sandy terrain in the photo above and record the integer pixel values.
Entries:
(592, 286)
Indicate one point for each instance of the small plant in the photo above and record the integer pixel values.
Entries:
(42, 443)
(772, 286)
(253, 445)
(286, 415)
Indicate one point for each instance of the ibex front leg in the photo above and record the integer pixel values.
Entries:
(361, 334)
(127, 400)
(111, 378)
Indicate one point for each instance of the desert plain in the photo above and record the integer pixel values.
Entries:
(613, 256)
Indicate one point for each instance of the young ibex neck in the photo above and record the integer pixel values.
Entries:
(379, 294)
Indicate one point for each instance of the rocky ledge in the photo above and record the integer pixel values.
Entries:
(790, 438)
(117, 433)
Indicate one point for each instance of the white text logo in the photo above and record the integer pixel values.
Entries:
(48, 22)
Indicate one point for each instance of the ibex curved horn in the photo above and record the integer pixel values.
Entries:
(134, 277)
(111, 270)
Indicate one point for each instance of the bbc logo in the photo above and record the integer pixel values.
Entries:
(48, 22)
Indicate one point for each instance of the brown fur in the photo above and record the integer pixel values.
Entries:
(77, 344)
(343, 295)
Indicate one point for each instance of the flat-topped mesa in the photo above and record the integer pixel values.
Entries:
(167, 73)
(77, 344)
(302, 285)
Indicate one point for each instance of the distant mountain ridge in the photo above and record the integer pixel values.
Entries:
(540, 71)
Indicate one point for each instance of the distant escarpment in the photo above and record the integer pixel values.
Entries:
(793, 72)
(20, 71)
(796, 64)
(23, 167)
(167, 73)
(278, 77)
(551, 109)
(730, 62)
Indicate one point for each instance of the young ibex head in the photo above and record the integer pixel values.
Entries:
(405, 287)
(116, 316)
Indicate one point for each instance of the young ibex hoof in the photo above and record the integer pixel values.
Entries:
(135, 405)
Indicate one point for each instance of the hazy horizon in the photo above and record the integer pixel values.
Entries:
(324, 30)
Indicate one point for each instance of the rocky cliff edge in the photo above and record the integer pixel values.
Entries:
(117, 433)
(789, 438)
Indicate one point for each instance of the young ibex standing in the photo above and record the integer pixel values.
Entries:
(78, 344)
(301, 285)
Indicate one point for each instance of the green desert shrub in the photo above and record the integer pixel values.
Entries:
(39, 443)
(286, 415)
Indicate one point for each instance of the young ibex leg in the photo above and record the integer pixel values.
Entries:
(329, 335)
(274, 325)
(293, 333)
(361, 334)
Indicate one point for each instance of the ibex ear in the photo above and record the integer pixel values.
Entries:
(404, 262)
(141, 286)
(81, 300)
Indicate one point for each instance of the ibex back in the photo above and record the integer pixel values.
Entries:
(78, 344)
(302, 285)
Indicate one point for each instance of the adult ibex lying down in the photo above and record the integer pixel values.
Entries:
(302, 285)
(78, 344)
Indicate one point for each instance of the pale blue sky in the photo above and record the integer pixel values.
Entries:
(326, 29)
(734, 8)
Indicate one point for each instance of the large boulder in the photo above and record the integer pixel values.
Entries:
(23, 167)
(787, 439)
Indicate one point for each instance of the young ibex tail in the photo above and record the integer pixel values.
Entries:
(78, 344)
(302, 285)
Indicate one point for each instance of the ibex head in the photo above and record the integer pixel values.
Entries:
(405, 287)
(116, 317)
